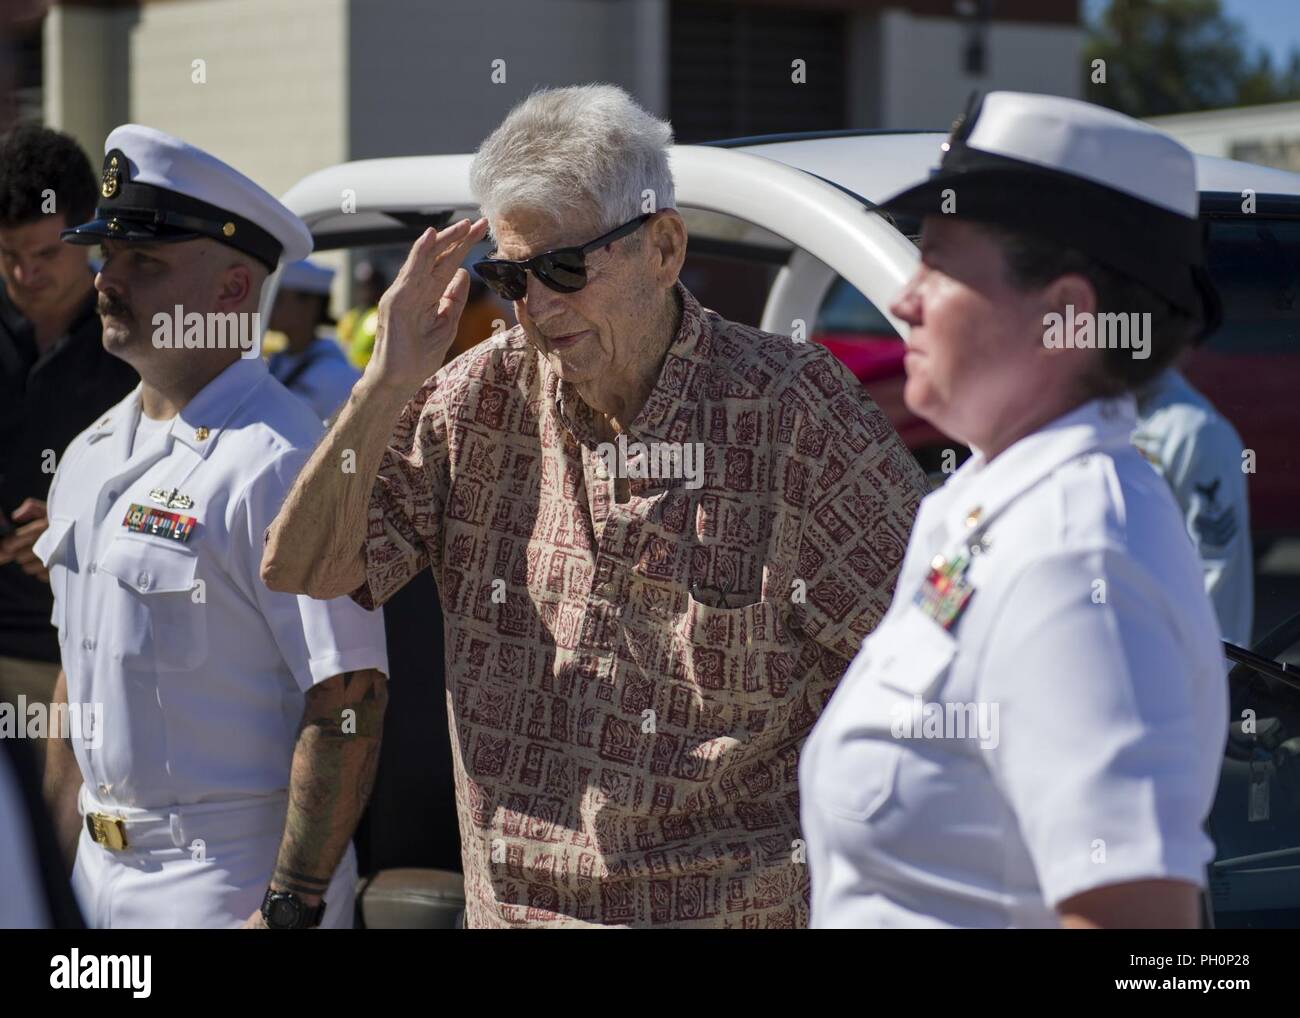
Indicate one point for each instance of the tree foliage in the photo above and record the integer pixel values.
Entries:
(1178, 56)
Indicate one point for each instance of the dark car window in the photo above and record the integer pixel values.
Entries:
(846, 310)
(1255, 265)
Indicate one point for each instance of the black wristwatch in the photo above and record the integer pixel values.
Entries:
(284, 910)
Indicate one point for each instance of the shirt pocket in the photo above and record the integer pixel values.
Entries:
(165, 623)
(57, 549)
(738, 662)
(868, 718)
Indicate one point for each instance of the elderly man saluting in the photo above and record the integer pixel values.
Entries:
(633, 662)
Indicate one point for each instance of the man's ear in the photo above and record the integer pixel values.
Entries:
(668, 245)
(239, 286)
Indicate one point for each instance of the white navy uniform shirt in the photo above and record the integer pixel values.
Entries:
(1085, 675)
(1199, 454)
(201, 670)
(320, 375)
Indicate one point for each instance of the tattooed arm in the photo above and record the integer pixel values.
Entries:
(333, 772)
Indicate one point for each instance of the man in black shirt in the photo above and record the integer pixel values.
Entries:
(56, 379)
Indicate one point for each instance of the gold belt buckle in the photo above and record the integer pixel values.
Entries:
(109, 831)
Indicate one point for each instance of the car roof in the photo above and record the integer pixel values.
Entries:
(870, 165)
(876, 165)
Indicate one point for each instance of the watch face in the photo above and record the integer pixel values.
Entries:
(283, 913)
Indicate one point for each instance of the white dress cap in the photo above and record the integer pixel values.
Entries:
(307, 277)
(157, 188)
(1089, 141)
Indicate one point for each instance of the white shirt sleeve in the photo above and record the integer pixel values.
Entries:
(1104, 752)
(1204, 471)
(318, 639)
(55, 533)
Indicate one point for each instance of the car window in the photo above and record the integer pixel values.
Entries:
(846, 310)
(1255, 265)
(733, 285)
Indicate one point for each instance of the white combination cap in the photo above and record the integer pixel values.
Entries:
(160, 189)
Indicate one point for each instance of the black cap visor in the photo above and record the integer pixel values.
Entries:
(121, 227)
(144, 213)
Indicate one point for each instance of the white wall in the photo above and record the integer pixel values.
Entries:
(274, 100)
(922, 84)
(86, 76)
(1268, 134)
(421, 73)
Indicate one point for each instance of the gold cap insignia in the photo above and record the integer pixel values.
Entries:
(228, 230)
(112, 175)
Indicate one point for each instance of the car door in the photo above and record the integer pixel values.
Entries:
(1254, 880)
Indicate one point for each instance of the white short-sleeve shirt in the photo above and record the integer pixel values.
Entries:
(1199, 454)
(198, 669)
(1063, 733)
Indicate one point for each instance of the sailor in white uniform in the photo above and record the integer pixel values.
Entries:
(1199, 454)
(314, 368)
(240, 727)
(1033, 734)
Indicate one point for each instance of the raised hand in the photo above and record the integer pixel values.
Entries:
(419, 313)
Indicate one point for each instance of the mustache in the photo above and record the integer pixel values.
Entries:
(110, 305)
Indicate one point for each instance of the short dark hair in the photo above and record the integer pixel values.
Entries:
(1033, 262)
(34, 159)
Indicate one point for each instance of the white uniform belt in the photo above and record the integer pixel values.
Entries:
(212, 823)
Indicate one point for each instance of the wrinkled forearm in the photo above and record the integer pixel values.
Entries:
(333, 772)
(314, 545)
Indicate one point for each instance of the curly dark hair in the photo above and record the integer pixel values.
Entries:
(33, 159)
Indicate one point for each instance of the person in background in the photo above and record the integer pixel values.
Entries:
(35, 892)
(312, 367)
(1195, 449)
(356, 328)
(483, 317)
(55, 380)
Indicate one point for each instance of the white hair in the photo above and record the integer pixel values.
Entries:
(588, 151)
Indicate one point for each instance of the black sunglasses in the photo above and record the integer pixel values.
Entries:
(564, 270)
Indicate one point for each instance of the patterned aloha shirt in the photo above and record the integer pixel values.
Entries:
(629, 683)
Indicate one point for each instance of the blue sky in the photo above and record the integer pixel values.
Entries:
(1273, 24)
